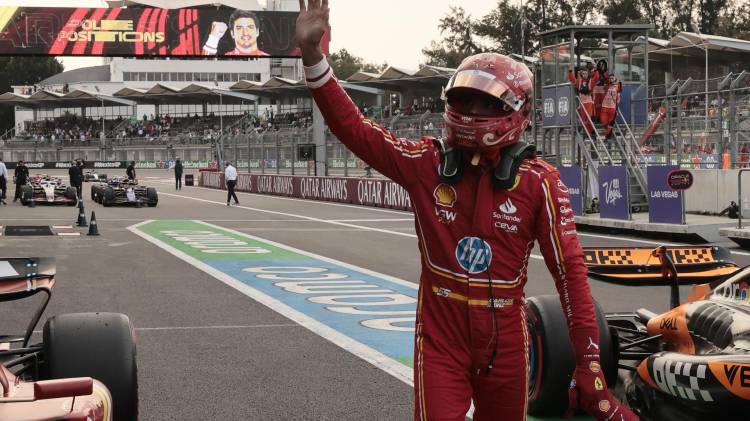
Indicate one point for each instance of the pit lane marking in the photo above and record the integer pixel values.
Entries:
(367, 353)
(265, 326)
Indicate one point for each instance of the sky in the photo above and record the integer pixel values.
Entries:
(392, 31)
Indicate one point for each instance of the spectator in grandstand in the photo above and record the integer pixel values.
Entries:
(130, 171)
(599, 81)
(178, 174)
(610, 103)
(230, 173)
(3, 181)
(471, 337)
(20, 178)
(245, 29)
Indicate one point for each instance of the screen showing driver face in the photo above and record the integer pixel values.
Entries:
(146, 31)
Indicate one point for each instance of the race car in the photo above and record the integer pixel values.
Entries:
(121, 191)
(690, 363)
(85, 366)
(43, 189)
(92, 175)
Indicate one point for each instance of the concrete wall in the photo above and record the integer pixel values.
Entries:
(714, 189)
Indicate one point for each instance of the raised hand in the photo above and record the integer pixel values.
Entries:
(312, 24)
(218, 29)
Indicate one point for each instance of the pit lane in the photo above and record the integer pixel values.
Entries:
(206, 350)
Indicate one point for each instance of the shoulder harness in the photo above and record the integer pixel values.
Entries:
(452, 163)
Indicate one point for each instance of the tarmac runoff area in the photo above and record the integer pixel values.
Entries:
(278, 308)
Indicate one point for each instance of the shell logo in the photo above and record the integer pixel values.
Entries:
(445, 195)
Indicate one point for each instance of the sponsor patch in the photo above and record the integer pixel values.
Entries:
(445, 195)
(473, 254)
(508, 207)
(604, 405)
(598, 385)
(595, 367)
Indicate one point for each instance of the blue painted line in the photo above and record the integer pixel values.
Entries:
(398, 345)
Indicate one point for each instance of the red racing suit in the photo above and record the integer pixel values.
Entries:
(475, 242)
(583, 88)
(609, 106)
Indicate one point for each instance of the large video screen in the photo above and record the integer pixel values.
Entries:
(146, 31)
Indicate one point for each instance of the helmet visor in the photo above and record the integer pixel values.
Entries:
(486, 83)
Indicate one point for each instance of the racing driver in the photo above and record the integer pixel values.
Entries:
(481, 199)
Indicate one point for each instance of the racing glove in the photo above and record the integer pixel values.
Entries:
(218, 29)
(588, 389)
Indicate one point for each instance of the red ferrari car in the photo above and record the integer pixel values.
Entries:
(84, 369)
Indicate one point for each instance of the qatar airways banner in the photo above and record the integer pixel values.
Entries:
(147, 31)
(380, 193)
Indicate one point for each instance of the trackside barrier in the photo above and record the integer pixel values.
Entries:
(380, 193)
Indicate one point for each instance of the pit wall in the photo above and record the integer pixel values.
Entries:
(713, 189)
(382, 193)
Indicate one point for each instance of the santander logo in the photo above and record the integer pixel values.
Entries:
(508, 207)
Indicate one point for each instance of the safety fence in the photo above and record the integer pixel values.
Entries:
(696, 122)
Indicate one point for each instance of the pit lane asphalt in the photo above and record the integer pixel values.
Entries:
(205, 351)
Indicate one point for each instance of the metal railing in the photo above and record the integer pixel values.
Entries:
(687, 135)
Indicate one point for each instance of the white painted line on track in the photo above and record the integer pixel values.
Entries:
(309, 218)
(68, 219)
(373, 220)
(378, 359)
(317, 202)
(385, 231)
(167, 328)
(303, 229)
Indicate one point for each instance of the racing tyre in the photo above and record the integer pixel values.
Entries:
(93, 192)
(27, 193)
(97, 345)
(152, 196)
(72, 194)
(552, 359)
(108, 196)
